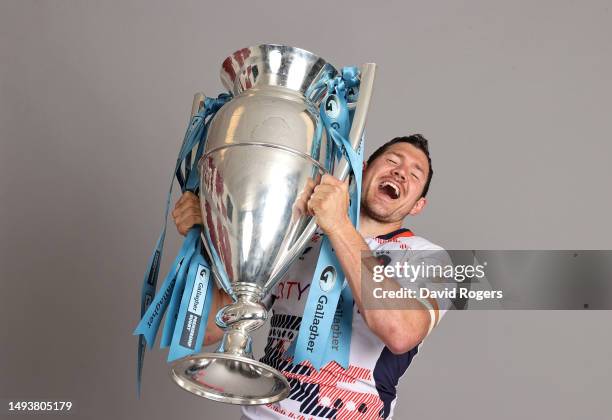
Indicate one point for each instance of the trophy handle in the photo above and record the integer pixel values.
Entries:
(196, 106)
(198, 103)
(367, 72)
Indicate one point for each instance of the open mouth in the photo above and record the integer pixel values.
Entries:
(389, 189)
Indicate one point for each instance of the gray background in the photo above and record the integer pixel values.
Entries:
(515, 98)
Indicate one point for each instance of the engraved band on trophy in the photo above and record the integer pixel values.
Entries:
(261, 154)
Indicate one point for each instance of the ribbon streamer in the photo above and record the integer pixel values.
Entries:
(325, 330)
(188, 334)
(188, 181)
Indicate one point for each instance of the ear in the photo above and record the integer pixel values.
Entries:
(365, 165)
(418, 206)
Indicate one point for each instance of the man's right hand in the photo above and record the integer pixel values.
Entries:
(187, 212)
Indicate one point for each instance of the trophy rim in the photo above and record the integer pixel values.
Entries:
(228, 72)
(189, 385)
(278, 45)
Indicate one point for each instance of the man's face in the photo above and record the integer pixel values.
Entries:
(393, 183)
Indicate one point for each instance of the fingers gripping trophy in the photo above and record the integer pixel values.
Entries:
(265, 150)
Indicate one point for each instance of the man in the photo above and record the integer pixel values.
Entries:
(395, 183)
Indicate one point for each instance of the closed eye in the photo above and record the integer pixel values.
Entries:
(392, 161)
(415, 176)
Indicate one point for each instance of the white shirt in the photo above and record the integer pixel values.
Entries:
(367, 389)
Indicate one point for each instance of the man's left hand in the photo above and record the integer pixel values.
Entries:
(329, 204)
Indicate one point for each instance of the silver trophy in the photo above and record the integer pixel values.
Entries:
(261, 159)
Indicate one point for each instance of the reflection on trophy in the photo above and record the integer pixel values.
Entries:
(262, 159)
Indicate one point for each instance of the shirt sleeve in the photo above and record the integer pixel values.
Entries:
(423, 271)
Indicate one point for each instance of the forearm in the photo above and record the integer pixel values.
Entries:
(399, 329)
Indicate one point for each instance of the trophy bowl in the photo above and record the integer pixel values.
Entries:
(265, 149)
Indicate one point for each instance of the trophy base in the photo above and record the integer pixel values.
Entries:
(230, 379)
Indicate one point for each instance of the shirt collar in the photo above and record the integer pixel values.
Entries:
(402, 232)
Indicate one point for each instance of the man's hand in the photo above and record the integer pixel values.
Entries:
(329, 204)
(300, 208)
(187, 212)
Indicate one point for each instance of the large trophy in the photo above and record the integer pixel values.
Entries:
(264, 151)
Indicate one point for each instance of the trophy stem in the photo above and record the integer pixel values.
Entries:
(238, 319)
(230, 374)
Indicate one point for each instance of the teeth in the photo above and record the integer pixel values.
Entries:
(392, 185)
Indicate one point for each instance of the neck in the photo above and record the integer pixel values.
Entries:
(370, 228)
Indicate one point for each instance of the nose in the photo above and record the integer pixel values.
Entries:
(399, 174)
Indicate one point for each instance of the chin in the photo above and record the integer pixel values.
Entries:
(378, 214)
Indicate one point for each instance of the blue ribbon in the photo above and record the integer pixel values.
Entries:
(325, 290)
(188, 334)
(172, 310)
(326, 327)
(188, 181)
(149, 324)
(339, 340)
